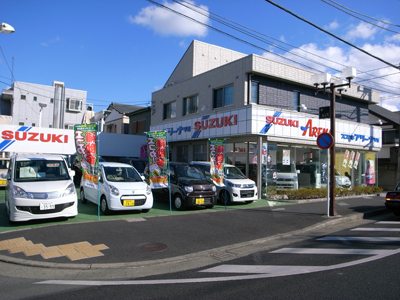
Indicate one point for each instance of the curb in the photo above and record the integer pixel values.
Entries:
(214, 255)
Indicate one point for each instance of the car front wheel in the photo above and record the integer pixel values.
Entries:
(104, 206)
(82, 196)
(178, 203)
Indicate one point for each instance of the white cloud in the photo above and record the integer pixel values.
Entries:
(361, 31)
(55, 40)
(168, 23)
(332, 26)
(393, 38)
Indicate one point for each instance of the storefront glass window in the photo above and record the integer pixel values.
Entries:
(200, 153)
(182, 154)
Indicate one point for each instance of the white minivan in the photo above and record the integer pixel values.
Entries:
(121, 188)
(39, 187)
(238, 187)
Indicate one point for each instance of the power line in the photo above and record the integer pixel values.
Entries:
(360, 13)
(360, 18)
(331, 34)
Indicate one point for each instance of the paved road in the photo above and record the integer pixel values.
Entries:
(143, 240)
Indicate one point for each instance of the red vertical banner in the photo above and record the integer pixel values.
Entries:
(85, 136)
(158, 159)
(217, 160)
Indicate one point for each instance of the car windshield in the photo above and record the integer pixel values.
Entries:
(121, 174)
(40, 170)
(233, 173)
(188, 173)
(285, 168)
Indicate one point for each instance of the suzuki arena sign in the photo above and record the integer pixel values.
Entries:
(256, 120)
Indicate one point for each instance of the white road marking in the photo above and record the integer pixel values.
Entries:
(375, 229)
(359, 239)
(332, 251)
(388, 222)
(258, 272)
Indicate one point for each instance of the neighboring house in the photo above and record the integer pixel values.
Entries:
(389, 156)
(139, 121)
(35, 105)
(268, 113)
(117, 121)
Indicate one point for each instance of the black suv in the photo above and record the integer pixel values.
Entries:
(189, 187)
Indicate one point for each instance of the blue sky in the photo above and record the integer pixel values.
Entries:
(122, 51)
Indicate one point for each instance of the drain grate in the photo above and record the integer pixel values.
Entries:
(153, 247)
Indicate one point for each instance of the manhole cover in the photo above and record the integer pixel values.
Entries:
(152, 247)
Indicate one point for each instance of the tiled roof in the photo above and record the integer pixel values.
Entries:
(124, 108)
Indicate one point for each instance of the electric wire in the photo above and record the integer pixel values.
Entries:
(362, 14)
(361, 19)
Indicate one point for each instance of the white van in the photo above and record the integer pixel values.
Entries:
(238, 187)
(121, 188)
(39, 187)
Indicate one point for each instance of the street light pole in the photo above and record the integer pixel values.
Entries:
(324, 80)
(6, 28)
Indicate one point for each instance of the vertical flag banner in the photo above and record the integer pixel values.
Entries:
(351, 161)
(85, 136)
(217, 160)
(346, 157)
(158, 161)
(355, 165)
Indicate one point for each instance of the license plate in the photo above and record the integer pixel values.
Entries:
(45, 206)
(199, 200)
(129, 203)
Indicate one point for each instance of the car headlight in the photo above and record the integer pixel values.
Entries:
(148, 190)
(188, 189)
(113, 190)
(214, 188)
(19, 193)
(70, 190)
(233, 185)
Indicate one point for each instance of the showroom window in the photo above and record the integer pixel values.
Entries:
(254, 92)
(223, 96)
(190, 105)
(170, 110)
(200, 153)
(182, 154)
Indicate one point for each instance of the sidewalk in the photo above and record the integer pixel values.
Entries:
(145, 241)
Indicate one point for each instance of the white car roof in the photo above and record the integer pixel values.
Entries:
(114, 164)
(38, 156)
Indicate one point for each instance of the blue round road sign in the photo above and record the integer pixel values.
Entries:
(325, 140)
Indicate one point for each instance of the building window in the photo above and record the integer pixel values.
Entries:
(33, 125)
(139, 126)
(190, 105)
(74, 104)
(182, 154)
(200, 153)
(223, 96)
(296, 101)
(51, 100)
(21, 123)
(170, 110)
(34, 98)
(254, 92)
(23, 97)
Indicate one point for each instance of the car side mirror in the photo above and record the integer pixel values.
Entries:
(5, 175)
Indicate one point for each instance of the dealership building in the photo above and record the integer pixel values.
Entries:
(269, 114)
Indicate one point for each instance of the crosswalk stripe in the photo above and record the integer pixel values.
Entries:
(389, 222)
(375, 229)
(332, 251)
(359, 239)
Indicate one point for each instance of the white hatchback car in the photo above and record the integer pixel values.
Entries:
(237, 187)
(121, 188)
(39, 187)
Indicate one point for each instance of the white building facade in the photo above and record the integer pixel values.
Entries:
(268, 112)
(35, 105)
